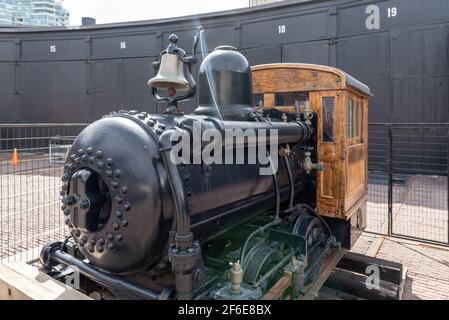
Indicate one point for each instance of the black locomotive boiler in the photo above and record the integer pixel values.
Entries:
(145, 227)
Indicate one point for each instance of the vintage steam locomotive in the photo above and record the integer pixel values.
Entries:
(145, 227)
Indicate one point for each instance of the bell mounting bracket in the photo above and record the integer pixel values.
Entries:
(187, 62)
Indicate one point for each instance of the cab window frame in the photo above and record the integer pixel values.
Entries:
(328, 127)
(355, 120)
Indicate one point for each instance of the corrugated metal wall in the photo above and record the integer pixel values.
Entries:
(79, 75)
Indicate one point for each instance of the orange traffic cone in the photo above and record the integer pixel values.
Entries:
(15, 161)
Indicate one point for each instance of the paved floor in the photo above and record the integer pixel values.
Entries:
(29, 205)
(420, 206)
(428, 265)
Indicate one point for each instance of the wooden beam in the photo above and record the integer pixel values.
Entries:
(389, 271)
(375, 246)
(327, 266)
(355, 284)
(279, 288)
(20, 281)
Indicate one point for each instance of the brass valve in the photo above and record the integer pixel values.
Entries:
(236, 276)
(307, 113)
(308, 165)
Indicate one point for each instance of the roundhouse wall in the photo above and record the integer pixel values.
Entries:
(79, 74)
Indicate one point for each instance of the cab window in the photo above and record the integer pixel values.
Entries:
(350, 119)
(287, 99)
(327, 125)
(355, 121)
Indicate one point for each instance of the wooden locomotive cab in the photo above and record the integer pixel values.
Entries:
(341, 104)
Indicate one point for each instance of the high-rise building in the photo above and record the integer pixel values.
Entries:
(253, 3)
(33, 13)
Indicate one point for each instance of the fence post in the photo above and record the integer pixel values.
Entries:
(447, 186)
(390, 179)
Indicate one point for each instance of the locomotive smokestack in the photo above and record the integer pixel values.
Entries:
(225, 85)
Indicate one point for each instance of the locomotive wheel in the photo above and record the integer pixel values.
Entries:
(310, 227)
(258, 261)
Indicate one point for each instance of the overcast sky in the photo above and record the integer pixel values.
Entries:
(107, 11)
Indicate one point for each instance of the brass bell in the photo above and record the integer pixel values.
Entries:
(170, 75)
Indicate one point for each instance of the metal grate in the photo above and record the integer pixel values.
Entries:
(408, 181)
(420, 182)
(29, 188)
(377, 206)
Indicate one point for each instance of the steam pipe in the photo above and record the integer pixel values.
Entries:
(176, 187)
(109, 281)
(278, 192)
(183, 255)
(293, 132)
(292, 183)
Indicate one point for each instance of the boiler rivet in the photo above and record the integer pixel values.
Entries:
(109, 162)
(117, 173)
(124, 190)
(119, 199)
(127, 206)
(100, 165)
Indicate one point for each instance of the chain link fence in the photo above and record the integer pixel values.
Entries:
(407, 184)
(31, 164)
(408, 181)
